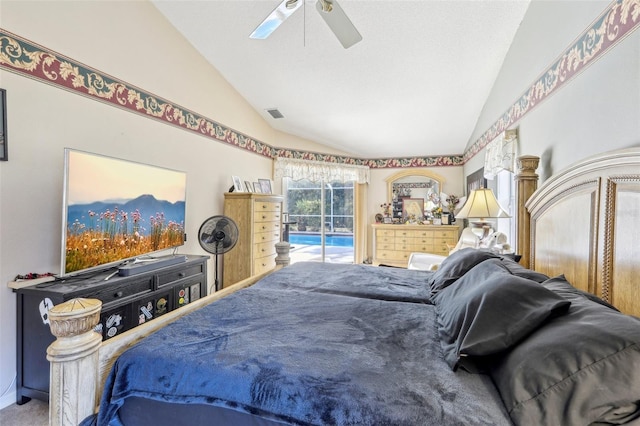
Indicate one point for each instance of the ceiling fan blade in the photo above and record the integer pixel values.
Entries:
(275, 18)
(339, 22)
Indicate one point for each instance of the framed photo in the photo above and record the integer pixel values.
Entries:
(257, 188)
(265, 185)
(248, 186)
(413, 207)
(237, 184)
(4, 156)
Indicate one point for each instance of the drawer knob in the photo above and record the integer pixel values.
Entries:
(117, 294)
(182, 274)
(264, 217)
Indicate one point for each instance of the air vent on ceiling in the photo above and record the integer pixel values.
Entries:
(275, 113)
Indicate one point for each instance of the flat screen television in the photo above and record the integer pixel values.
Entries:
(116, 210)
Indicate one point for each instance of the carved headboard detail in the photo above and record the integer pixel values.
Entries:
(585, 223)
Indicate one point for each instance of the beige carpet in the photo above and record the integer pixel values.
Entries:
(33, 413)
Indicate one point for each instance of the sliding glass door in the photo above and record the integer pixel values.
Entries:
(321, 220)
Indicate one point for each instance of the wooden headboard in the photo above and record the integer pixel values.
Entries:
(585, 224)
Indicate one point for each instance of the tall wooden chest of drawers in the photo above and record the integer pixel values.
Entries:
(392, 244)
(259, 220)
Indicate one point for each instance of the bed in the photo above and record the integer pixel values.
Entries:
(482, 340)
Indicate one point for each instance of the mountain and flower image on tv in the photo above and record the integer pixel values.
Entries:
(117, 210)
(99, 236)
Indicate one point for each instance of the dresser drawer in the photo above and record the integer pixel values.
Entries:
(128, 289)
(266, 206)
(386, 239)
(385, 233)
(386, 246)
(264, 264)
(423, 247)
(388, 255)
(406, 233)
(395, 243)
(263, 237)
(266, 216)
(264, 249)
(443, 250)
(446, 233)
(267, 227)
(178, 274)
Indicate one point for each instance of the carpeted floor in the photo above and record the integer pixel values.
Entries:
(33, 413)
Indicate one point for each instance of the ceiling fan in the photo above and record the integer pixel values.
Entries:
(330, 11)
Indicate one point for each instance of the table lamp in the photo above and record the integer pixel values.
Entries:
(482, 204)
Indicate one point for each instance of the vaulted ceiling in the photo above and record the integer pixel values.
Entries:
(414, 86)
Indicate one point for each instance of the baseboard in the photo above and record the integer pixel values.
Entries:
(8, 399)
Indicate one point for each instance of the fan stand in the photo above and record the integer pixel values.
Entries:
(219, 238)
(217, 235)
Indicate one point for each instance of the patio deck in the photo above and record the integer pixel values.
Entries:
(312, 253)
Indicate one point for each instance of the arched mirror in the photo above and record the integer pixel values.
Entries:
(408, 190)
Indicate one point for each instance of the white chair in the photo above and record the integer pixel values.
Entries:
(424, 261)
(430, 262)
(468, 238)
(496, 242)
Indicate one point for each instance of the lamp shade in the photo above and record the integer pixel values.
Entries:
(481, 203)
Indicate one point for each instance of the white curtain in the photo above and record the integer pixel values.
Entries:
(317, 171)
(500, 154)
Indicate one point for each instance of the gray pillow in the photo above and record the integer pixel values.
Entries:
(578, 369)
(561, 286)
(456, 265)
(489, 310)
(516, 269)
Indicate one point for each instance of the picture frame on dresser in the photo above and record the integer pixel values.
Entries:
(413, 207)
(265, 185)
(247, 185)
(4, 156)
(237, 184)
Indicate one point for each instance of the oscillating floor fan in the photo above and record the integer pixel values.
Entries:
(218, 235)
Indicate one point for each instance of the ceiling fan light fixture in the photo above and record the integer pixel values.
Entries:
(275, 18)
(339, 23)
(331, 13)
(325, 6)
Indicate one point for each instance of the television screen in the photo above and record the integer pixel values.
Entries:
(115, 210)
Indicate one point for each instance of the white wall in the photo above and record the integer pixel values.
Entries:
(599, 110)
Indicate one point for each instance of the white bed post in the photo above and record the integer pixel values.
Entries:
(73, 357)
(282, 259)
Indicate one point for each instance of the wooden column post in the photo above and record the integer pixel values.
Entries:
(74, 361)
(526, 184)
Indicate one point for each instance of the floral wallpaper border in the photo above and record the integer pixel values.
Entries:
(615, 23)
(25, 57)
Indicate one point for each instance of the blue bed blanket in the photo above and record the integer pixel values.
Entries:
(305, 357)
(367, 281)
